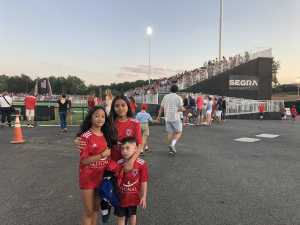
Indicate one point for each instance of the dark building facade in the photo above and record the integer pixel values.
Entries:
(252, 80)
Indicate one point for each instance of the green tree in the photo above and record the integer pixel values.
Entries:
(3, 83)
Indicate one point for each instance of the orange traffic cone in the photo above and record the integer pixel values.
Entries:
(18, 135)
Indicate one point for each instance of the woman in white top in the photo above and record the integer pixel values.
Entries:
(209, 111)
(108, 100)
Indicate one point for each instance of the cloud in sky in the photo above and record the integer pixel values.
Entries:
(141, 72)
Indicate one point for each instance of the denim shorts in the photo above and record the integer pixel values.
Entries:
(174, 126)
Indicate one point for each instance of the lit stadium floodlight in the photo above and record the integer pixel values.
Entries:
(149, 31)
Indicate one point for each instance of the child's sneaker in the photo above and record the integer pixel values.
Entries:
(105, 211)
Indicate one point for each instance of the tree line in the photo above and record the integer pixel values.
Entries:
(68, 85)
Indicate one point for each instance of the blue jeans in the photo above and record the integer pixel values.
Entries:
(63, 119)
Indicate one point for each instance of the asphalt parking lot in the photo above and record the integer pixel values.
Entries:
(213, 180)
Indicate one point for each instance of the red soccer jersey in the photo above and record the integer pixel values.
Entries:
(129, 128)
(130, 183)
(133, 107)
(30, 102)
(91, 175)
(199, 102)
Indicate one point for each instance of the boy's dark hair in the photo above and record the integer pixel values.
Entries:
(130, 140)
(113, 115)
(63, 95)
(108, 129)
(174, 88)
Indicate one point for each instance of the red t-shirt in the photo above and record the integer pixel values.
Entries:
(30, 102)
(293, 111)
(91, 175)
(130, 183)
(91, 102)
(261, 108)
(199, 102)
(129, 128)
(133, 107)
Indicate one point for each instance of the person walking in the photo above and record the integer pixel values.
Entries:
(144, 117)
(63, 109)
(171, 106)
(6, 106)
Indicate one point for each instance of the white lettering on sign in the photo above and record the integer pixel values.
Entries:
(243, 83)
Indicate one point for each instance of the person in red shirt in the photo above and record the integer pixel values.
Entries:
(261, 109)
(294, 112)
(30, 103)
(98, 137)
(132, 185)
(133, 106)
(91, 101)
(126, 126)
(199, 108)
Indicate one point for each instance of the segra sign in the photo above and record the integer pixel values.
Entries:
(239, 82)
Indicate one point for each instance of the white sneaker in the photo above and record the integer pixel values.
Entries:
(172, 150)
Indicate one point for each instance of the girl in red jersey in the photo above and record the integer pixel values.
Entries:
(122, 118)
(125, 126)
(98, 137)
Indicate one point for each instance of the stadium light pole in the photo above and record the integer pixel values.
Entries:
(149, 34)
(220, 29)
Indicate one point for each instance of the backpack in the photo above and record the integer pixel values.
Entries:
(108, 189)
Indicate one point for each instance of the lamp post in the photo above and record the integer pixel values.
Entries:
(220, 29)
(149, 34)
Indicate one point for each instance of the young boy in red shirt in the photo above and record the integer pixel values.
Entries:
(132, 185)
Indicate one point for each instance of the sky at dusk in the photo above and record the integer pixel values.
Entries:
(105, 41)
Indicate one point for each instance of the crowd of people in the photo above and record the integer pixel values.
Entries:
(189, 78)
(203, 109)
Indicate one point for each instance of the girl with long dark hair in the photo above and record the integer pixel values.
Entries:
(98, 136)
(122, 118)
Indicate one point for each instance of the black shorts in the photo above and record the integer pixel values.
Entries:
(127, 211)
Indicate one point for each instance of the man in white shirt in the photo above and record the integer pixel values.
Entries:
(6, 103)
(172, 105)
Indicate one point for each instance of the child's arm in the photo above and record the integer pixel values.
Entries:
(143, 201)
(95, 158)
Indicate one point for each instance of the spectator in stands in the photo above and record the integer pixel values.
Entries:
(6, 106)
(171, 105)
(63, 109)
(30, 104)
